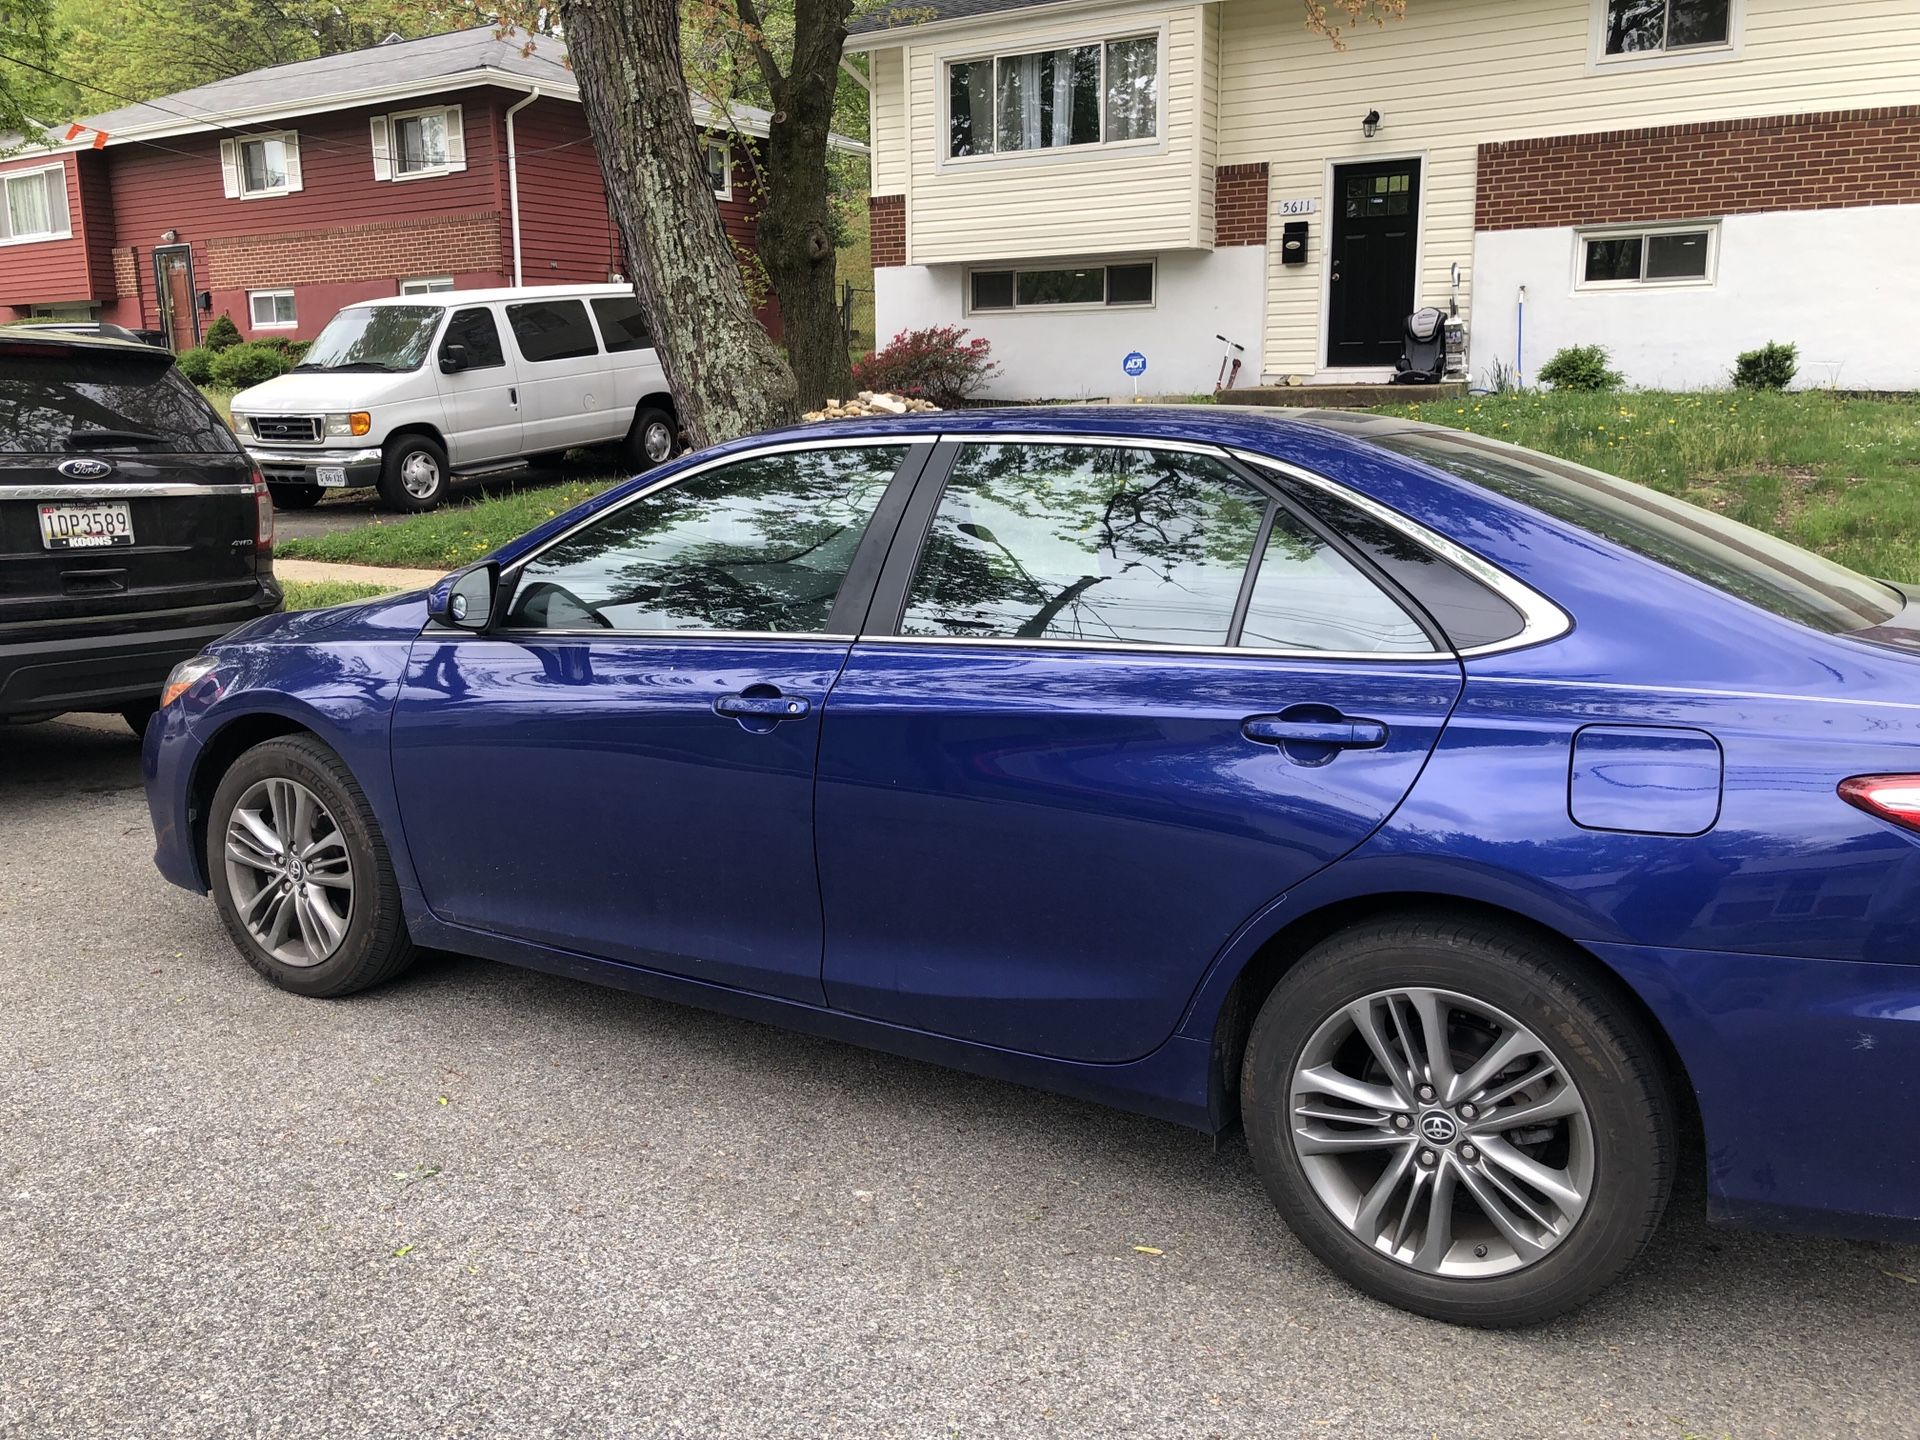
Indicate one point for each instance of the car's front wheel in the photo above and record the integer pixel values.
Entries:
(300, 873)
(414, 473)
(1458, 1122)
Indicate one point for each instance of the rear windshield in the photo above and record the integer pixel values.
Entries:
(374, 338)
(55, 402)
(1738, 559)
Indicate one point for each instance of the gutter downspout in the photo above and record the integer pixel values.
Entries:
(513, 178)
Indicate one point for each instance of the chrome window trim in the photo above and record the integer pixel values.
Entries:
(1540, 619)
(1148, 647)
(521, 636)
(1069, 437)
(122, 490)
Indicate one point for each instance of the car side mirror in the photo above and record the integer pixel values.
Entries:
(453, 358)
(465, 599)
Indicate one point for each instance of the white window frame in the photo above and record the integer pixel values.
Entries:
(254, 322)
(725, 148)
(37, 237)
(291, 180)
(386, 143)
(1599, 60)
(1155, 143)
(1076, 307)
(427, 285)
(1584, 286)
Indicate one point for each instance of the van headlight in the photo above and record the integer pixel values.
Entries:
(346, 425)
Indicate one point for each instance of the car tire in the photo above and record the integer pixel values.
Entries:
(414, 474)
(362, 941)
(294, 496)
(1360, 1193)
(139, 713)
(654, 438)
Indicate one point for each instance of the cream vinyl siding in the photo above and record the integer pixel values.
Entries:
(887, 123)
(1070, 203)
(1456, 73)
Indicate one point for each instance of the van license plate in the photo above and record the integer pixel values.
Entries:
(330, 474)
(102, 525)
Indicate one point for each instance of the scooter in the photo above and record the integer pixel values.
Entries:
(1229, 364)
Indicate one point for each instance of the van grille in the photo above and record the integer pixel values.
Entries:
(285, 428)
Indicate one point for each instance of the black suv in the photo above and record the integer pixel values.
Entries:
(134, 530)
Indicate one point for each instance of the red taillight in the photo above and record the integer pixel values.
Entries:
(262, 515)
(1891, 797)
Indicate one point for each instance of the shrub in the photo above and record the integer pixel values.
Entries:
(292, 349)
(196, 364)
(940, 364)
(222, 334)
(242, 365)
(1580, 367)
(1771, 367)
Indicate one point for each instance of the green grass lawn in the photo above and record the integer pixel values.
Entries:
(318, 594)
(443, 539)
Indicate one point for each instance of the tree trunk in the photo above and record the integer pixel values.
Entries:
(727, 377)
(796, 233)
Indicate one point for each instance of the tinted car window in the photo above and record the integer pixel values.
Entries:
(1468, 613)
(552, 329)
(1308, 596)
(1085, 542)
(1793, 583)
(56, 401)
(622, 326)
(761, 545)
(475, 329)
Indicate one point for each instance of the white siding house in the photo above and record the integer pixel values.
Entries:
(1677, 181)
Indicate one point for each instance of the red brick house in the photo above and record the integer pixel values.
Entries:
(278, 196)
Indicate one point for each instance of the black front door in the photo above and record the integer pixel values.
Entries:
(1376, 220)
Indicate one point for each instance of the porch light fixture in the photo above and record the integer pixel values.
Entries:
(1370, 124)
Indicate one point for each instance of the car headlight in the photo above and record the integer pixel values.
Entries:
(346, 425)
(185, 676)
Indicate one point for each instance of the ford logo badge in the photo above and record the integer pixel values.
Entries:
(85, 469)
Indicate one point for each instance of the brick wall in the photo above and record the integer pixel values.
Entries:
(887, 216)
(126, 272)
(442, 245)
(1722, 167)
(1240, 204)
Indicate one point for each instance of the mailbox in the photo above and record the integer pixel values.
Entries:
(1293, 243)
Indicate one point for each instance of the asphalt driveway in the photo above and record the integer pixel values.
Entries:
(486, 1202)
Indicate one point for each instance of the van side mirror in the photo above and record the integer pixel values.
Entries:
(465, 599)
(453, 357)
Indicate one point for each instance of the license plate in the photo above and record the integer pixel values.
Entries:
(330, 474)
(101, 525)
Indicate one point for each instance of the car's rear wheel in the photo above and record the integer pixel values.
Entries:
(292, 495)
(301, 875)
(413, 473)
(1457, 1121)
(653, 439)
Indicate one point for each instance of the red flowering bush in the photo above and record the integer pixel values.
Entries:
(940, 364)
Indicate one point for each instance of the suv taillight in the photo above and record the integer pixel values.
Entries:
(262, 515)
(1895, 798)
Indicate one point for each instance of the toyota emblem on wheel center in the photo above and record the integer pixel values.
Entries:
(1438, 1128)
(85, 468)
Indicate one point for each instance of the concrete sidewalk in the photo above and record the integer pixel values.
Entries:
(392, 577)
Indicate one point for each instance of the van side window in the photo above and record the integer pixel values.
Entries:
(622, 326)
(475, 330)
(552, 330)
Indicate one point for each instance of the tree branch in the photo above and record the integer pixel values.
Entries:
(755, 36)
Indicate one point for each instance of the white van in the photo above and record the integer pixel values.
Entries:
(405, 393)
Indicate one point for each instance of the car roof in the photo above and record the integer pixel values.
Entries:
(30, 334)
(488, 297)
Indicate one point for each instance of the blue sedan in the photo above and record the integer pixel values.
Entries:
(1470, 827)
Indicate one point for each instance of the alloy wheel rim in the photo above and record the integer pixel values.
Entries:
(289, 871)
(420, 475)
(657, 441)
(1442, 1133)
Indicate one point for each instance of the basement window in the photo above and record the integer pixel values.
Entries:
(1077, 286)
(1669, 255)
(271, 309)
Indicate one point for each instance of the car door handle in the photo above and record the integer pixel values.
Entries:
(1342, 734)
(768, 707)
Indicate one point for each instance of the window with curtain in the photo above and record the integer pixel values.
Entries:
(1639, 26)
(1088, 94)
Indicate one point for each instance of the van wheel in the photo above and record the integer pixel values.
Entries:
(654, 437)
(295, 496)
(413, 476)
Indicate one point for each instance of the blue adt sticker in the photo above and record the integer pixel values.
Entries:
(1135, 364)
